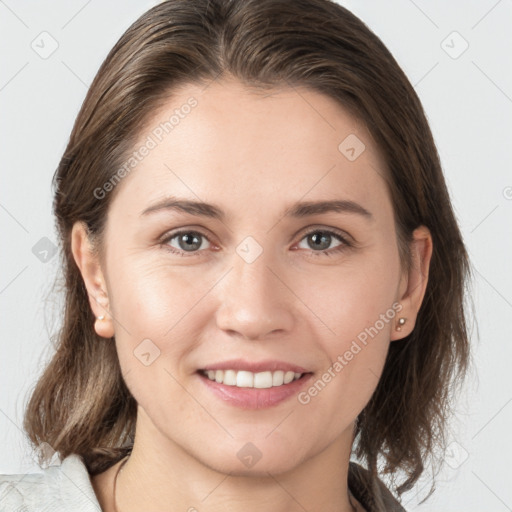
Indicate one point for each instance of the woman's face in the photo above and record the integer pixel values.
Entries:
(254, 278)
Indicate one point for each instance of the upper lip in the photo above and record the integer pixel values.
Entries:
(255, 366)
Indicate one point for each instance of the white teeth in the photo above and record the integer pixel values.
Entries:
(229, 378)
(245, 379)
(263, 380)
(288, 377)
(278, 378)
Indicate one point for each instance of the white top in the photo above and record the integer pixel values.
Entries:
(62, 488)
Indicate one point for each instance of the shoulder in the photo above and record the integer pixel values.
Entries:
(62, 488)
(374, 498)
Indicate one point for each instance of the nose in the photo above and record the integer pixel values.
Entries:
(255, 299)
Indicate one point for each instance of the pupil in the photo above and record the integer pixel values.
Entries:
(186, 240)
(317, 240)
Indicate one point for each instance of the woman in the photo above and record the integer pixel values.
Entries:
(263, 271)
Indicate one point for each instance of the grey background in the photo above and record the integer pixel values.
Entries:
(468, 99)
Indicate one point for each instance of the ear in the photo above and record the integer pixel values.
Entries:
(92, 274)
(413, 284)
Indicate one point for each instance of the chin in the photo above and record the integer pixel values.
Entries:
(248, 460)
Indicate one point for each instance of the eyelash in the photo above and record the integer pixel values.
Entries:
(344, 245)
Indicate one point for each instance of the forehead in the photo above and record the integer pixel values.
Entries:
(224, 143)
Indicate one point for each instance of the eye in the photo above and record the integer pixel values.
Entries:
(186, 241)
(321, 239)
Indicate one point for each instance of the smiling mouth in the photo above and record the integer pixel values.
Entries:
(246, 379)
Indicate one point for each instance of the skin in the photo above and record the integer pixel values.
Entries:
(252, 154)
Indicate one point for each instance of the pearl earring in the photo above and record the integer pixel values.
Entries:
(102, 317)
(401, 321)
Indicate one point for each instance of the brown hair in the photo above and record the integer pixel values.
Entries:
(81, 403)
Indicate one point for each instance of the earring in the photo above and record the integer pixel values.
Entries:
(102, 317)
(401, 321)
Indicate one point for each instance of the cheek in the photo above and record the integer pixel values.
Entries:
(148, 307)
(359, 308)
(156, 314)
(354, 297)
(152, 298)
(356, 358)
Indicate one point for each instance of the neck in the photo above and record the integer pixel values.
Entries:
(170, 479)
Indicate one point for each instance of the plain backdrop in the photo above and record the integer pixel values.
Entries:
(458, 57)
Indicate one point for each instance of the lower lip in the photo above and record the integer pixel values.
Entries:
(255, 398)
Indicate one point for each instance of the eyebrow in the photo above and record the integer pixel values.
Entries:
(296, 210)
